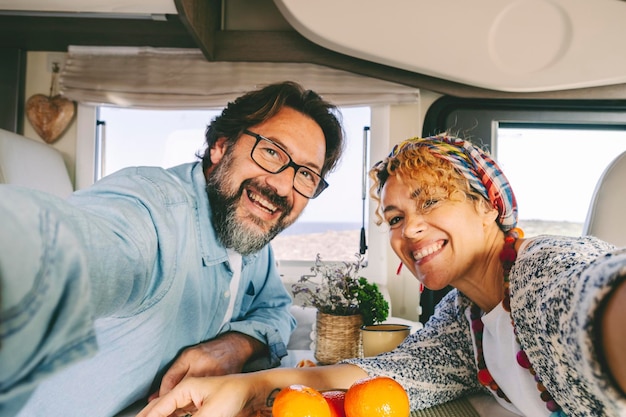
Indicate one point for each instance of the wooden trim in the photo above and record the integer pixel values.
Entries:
(202, 20)
(36, 33)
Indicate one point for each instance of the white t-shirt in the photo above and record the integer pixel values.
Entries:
(500, 349)
(235, 262)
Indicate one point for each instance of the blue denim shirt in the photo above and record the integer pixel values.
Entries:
(160, 281)
(46, 319)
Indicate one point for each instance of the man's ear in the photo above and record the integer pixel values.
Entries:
(218, 149)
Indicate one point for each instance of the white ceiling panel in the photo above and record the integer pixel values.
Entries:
(506, 45)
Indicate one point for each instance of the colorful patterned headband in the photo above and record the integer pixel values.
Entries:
(482, 172)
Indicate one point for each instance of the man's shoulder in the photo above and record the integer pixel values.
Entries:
(152, 174)
(183, 170)
(145, 182)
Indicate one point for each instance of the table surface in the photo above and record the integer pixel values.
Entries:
(484, 405)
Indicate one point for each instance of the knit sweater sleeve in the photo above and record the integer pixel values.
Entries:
(557, 286)
(436, 364)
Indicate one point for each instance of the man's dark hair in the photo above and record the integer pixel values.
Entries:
(260, 105)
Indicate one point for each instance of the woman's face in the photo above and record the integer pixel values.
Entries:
(440, 240)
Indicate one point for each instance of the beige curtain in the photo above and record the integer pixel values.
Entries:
(182, 78)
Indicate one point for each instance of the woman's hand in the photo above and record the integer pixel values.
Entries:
(223, 355)
(226, 396)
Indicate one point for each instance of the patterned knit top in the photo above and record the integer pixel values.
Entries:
(557, 284)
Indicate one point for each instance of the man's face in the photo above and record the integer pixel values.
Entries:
(250, 205)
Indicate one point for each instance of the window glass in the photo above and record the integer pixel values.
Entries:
(164, 138)
(330, 225)
(554, 171)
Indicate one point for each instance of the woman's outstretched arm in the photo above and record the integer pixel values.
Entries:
(245, 394)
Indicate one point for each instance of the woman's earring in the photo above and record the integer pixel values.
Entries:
(398, 273)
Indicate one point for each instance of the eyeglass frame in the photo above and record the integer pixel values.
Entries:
(296, 167)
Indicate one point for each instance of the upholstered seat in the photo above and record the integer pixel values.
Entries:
(29, 163)
(606, 217)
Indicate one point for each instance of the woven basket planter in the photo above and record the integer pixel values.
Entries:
(337, 337)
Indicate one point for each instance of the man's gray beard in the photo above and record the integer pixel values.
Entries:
(230, 231)
(234, 234)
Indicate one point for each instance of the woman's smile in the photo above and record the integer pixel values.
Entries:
(424, 252)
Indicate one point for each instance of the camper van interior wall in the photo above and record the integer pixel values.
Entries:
(50, 115)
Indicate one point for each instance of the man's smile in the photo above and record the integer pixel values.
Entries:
(261, 202)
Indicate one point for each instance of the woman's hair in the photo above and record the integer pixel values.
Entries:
(260, 105)
(448, 167)
(418, 167)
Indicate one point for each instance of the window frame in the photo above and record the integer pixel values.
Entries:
(480, 117)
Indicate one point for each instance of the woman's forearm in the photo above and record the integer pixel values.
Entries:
(318, 377)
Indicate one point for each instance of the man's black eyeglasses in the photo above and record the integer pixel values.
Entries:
(270, 156)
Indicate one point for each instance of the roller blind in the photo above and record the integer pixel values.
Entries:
(146, 77)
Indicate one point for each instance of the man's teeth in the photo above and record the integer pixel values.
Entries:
(427, 251)
(262, 202)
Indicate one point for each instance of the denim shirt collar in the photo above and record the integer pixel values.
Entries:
(213, 251)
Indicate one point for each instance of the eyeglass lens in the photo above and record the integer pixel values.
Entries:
(273, 159)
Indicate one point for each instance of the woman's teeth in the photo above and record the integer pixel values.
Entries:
(427, 250)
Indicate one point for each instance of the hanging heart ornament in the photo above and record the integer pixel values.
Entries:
(49, 115)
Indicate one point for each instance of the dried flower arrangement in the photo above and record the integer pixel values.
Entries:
(337, 289)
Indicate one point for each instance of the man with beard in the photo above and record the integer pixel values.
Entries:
(183, 281)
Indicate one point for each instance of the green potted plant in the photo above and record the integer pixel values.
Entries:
(345, 301)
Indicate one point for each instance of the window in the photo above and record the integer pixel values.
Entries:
(151, 137)
(330, 224)
(553, 172)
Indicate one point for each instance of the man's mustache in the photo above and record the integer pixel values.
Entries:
(281, 202)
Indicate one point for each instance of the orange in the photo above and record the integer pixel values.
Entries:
(305, 363)
(300, 401)
(377, 396)
(335, 399)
